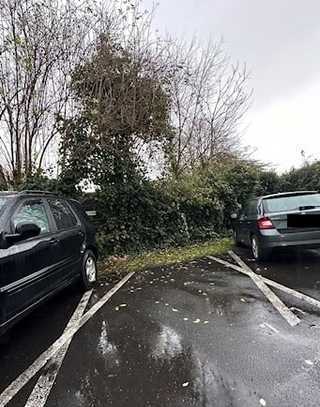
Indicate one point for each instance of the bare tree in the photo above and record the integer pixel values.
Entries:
(209, 99)
(40, 43)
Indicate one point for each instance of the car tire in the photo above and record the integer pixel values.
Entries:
(259, 253)
(88, 270)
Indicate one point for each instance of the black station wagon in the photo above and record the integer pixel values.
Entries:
(46, 243)
(281, 220)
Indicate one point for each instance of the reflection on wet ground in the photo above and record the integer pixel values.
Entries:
(296, 269)
(196, 335)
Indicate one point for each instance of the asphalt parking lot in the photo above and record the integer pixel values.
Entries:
(197, 334)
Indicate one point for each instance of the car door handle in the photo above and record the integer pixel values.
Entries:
(53, 241)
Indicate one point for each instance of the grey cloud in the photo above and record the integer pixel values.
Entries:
(279, 39)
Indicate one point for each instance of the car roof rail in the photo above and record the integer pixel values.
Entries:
(8, 192)
(36, 192)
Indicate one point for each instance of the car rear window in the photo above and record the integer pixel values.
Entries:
(62, 214)
(79, 209)
(291, 203)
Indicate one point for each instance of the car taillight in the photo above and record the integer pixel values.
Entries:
(265, 223)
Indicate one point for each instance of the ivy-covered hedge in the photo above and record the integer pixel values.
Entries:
(145, 214)
(140, 214)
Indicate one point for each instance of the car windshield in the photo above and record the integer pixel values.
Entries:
(292, 203)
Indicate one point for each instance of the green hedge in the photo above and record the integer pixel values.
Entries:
(140, 214)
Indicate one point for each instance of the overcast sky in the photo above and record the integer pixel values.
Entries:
(279, 40)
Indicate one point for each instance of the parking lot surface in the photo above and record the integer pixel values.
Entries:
(197, 334)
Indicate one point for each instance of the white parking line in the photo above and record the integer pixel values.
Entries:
(28, 374)
(42, 389)
(271, 283)
(294, 293)
(266, 325)
(283, 310)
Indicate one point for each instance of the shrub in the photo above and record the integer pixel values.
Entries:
(137, 214)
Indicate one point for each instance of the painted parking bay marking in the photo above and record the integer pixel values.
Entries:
(297, 294)
(40, 362)
(284, 311)
(42, 389)
(288, 315)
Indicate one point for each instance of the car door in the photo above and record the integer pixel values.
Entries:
(70, 234)
(252, 219)
(247, 221)
(27, 264)
(242, 224)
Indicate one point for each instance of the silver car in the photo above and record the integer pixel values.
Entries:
(290, 219)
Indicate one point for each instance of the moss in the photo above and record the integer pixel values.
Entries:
(115, 266)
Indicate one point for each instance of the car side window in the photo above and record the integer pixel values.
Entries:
(252, 208)
(244, 211)
(62, 214)
(32, 211)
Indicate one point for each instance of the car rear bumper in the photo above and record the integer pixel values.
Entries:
(274, 239)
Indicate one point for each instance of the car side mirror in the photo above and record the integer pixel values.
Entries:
(26, 230)
(234, 216)
(23, 231)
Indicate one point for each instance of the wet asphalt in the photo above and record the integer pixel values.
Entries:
(189, 335)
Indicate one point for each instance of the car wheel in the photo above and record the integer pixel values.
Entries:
(259, 253)
(89, 270)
